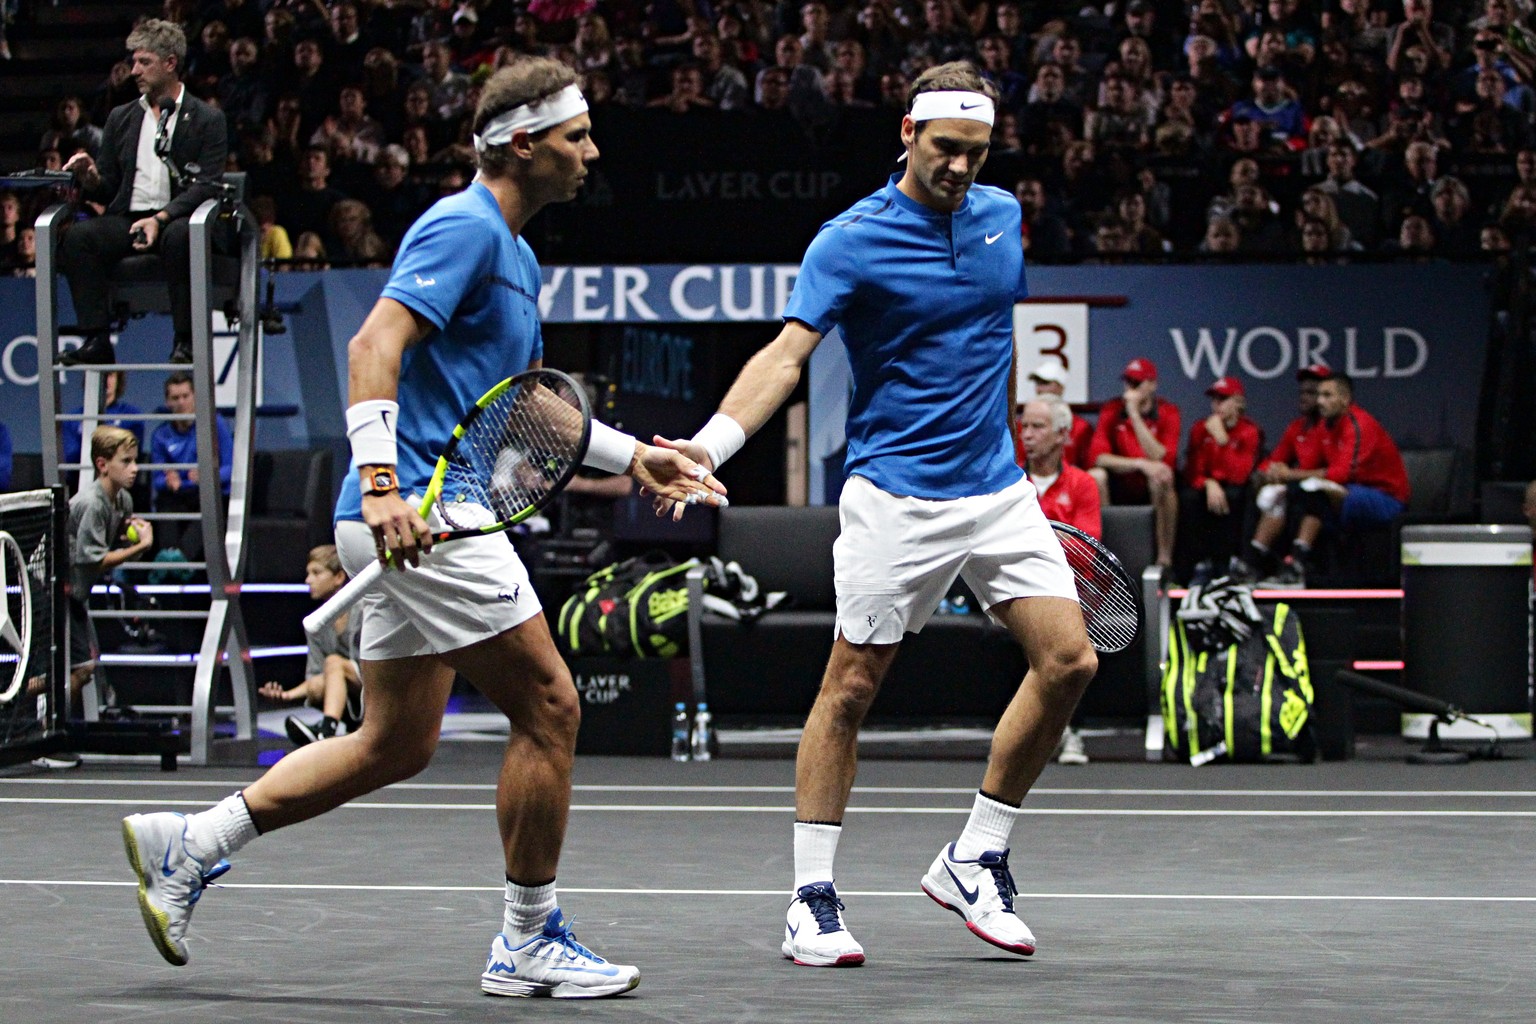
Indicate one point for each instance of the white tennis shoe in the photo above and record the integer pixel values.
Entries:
(553, 963)
(171, 878)
(814, 932)
(981, 891)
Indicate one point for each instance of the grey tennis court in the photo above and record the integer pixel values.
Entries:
(1366, 890)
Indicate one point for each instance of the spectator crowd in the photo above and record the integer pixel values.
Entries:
(1305, 129)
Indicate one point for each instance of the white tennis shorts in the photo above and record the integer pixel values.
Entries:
(897, 557)
(463, 592)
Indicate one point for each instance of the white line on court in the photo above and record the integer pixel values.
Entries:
(1081, 812)
(593, 891)
(1415, 794)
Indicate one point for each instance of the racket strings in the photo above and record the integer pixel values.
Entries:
(511, 456)
(1110, 611)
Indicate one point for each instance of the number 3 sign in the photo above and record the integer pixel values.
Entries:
(1047, 332)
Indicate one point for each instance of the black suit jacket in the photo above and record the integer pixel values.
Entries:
(199, 138)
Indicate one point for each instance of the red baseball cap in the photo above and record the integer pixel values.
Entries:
(1225, 387)
(1139, 370)
(1317, 371)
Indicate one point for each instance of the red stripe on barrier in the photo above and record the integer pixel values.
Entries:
(1315, 595)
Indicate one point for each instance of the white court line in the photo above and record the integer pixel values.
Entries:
(904, 893)
(1083, 812)
(1416, 794)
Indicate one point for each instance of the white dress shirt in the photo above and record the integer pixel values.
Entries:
(151, 179)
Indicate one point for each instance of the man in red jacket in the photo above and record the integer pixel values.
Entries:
(1067, 495)
(1134, 449)
(1362, 481)
(1222, 453)
(1299, 451)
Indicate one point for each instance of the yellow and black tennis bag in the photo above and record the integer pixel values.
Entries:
(1239, 699)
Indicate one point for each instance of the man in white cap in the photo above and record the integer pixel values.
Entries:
(1050, 378)
(921, 277)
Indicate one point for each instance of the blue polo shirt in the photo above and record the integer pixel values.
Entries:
(925, 303)
(461, 268)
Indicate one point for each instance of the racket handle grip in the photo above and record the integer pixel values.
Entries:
(344, 598)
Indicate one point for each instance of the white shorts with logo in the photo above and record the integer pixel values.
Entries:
(463, 592)
(897, 557)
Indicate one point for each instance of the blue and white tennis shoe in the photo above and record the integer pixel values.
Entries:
(981, 891)
(814, 932)
(171, 878)
(553, 963)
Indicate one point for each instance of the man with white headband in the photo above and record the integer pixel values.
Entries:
(460, 313)
(921, 278)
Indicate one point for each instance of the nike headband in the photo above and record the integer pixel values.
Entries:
(972, 106)
(532, 117)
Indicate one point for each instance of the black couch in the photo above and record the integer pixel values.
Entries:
(291, 506)
(958, 667)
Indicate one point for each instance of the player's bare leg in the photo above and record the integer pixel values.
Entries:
(971, 876)
(815, 934)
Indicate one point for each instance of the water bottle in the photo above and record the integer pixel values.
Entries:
(680, 732)
(958, 605)
(703, 733)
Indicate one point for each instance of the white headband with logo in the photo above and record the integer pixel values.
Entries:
(532, 117)
(972, 106)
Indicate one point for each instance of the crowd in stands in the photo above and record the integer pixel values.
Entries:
(1283, 128)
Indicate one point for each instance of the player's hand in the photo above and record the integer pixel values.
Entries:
(665, 471)
(192, 476)
(1216, 498)
(172, 480)
(400, 535)
(666, 506)
(274, 691)
(150, 226)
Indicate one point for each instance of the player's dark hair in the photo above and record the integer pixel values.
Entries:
(525, 80)
(179, 377)
(1344, 382)
(956, 76)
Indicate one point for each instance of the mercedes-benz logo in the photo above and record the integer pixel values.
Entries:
(15, 612)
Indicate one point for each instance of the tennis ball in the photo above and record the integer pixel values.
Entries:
(132, 534)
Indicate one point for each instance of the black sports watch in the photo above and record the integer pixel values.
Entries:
(380, 480)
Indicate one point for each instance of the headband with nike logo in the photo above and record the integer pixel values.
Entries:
(972, 106)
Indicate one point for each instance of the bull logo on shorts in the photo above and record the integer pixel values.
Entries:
(509, 596)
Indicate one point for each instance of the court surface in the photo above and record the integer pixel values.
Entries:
(1358, 891)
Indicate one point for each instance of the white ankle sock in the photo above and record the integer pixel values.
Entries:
(815, 850)
(221, 829)
(988, 828)
(527, 908)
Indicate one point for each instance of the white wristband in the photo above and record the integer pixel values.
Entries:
(371, 429)
(721, 437)
(609, 450)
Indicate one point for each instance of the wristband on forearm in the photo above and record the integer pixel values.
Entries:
(721, 438)
(609, 450)
(371, 431)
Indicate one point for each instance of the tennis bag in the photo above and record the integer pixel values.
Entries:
(1245, 700)
(635, 608)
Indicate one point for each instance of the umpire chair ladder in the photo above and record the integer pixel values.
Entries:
(225, 642)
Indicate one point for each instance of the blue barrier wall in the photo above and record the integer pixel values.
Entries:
(1413, 336)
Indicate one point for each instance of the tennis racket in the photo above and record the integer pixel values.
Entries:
(1111, 606)
(510, 454)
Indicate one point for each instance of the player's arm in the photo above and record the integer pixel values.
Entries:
(373, 382)
(764, 384)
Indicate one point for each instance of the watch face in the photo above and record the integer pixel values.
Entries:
(383, 480)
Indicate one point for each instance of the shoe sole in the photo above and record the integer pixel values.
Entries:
(811, 960)
(154, 919)
(1072, 759)
(564, 990)
(1022, 949)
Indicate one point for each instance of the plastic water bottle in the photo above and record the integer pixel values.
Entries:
(680, 732)
(703, 733)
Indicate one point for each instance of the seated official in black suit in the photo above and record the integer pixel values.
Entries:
(148, 151)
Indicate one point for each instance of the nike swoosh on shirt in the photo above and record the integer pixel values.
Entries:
(993, 238)
(425, 282)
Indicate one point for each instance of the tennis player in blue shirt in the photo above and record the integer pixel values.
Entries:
(921, 277)
(460, 313)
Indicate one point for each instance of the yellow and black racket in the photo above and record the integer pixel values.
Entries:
(510, 454)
